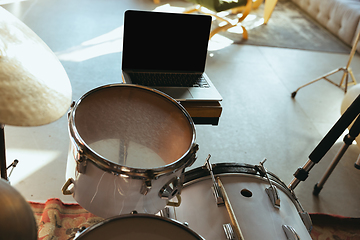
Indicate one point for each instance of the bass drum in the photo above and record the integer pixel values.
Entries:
(245, 187)
(138, 227)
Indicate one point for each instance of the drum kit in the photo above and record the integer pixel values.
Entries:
(129, 149)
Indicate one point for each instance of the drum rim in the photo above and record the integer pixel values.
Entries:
(83, 149)
(142, 215)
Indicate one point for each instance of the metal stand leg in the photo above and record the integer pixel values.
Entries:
(348, 139)
(2, 153)
(320, 184)
(352, 113)
(347, 70)
(357, 163)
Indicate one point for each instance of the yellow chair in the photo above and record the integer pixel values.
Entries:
(268, 8)
(216, 6)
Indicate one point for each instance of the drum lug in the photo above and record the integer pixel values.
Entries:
(78, 233)
(165, 212)
(80, 159)
(146, 187)
(171, 188)
(81, 165)
(71, 108)
(273, 195)
(229, 231)
(193, 151)
(290, 232)
(215, 187)
(305, 217)
(271, 190)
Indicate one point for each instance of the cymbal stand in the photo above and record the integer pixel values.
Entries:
(2, 153)
(347, 70)
(3, 168)
(328, 141)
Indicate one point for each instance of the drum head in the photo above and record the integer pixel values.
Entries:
(139, 227)
(133, 126)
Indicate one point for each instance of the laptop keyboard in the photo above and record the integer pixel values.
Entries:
(169, 80)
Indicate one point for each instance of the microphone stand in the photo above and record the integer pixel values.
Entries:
(327, 142)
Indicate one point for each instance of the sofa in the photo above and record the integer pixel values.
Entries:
(340, 17)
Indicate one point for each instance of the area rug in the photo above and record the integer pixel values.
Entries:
(288, 27)
(61, 221)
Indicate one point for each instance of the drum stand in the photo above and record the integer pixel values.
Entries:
(347, 70)
(326, 143)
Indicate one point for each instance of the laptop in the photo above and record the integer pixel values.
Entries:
(167, 52)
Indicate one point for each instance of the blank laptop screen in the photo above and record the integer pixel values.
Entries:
(165, 42)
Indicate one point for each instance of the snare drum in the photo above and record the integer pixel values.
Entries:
(138, 227)
(255, 213)
(128, 150)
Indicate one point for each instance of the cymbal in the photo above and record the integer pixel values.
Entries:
(34, 87)
(17, 220)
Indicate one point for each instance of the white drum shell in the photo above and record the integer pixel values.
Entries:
(105, 194)
(257, 217)
(150, 137)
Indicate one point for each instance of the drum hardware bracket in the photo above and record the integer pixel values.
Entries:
(175, 204)
(215, 188)
(165, 212)
(271, 191)
(13, 165)
(290, 232)
(65, 189)
(171, 188)
(146, 187)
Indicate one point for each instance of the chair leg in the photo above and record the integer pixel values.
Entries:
(269, 8)
(255, 5)
(196, 8)
(247, 8)
(246, 11)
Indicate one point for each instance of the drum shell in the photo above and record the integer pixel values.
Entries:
(108, 189)
(257, 217)
(106, 194)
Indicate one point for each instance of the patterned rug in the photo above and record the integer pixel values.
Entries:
(61, 221)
